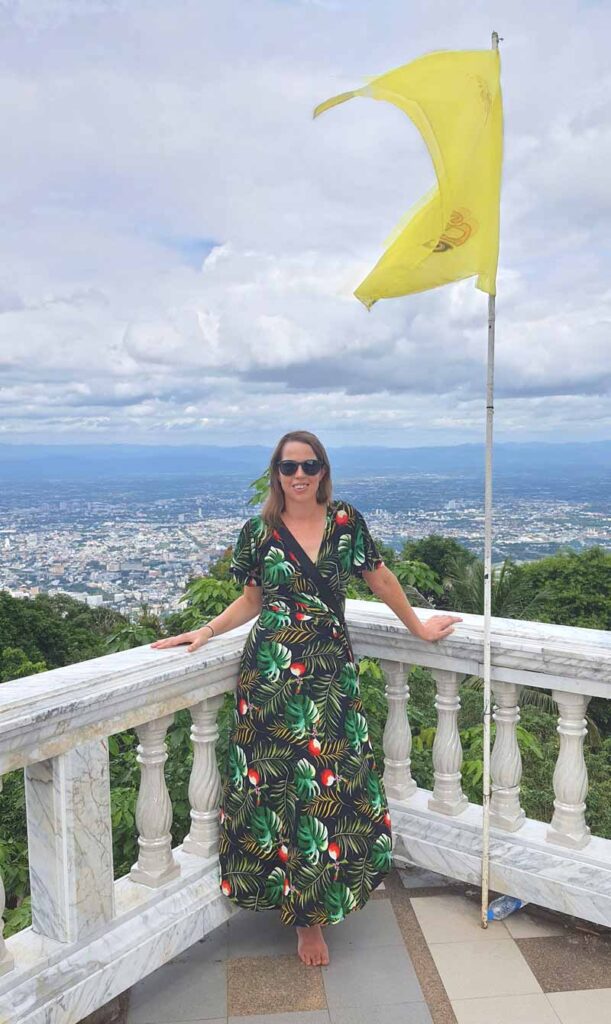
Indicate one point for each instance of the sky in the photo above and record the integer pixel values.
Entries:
(181, 240)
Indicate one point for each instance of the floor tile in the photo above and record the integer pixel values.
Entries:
(523, 925)
(569, 963)
(299, 1017)
(419, 878)
(592, 1007)
(379, 894)
(213, 947)
(476, 969)
(373, 977)
(213, 1020)
(252, 933)
(454, 919)
(435, 995)
(399, 1013)
(178, 992)
(533, 1009)
(273, 984)
(374, 925)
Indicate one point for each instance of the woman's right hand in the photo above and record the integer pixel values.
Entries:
(195, 639)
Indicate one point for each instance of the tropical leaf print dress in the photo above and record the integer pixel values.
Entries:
(305, 827)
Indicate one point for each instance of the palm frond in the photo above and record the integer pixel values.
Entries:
(352, 834)
(244, 874)
(294, 634)
(327, 694)
(311, 882)
(283, 799)
(271, 760)
(326, 805)
(250, 845)
(360, 878)
(239, 806)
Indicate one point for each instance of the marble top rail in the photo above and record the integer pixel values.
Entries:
(44, 715)
(538, 654)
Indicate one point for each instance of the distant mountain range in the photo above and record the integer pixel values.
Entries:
(21, 463)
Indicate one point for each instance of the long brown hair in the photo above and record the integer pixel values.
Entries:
(274, 503)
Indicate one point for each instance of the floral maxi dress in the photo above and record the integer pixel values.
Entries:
(305, 827)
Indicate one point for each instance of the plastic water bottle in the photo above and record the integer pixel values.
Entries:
(503, 906)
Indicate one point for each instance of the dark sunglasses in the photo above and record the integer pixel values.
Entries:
(288, 467)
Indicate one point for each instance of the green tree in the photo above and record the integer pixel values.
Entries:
(577, 592)
(513, 596)
(15, 664)
(442, 555)
(219, 570)
(259, 488)
(205, 598)
(56, 630)
(142, 630)
(577, 587)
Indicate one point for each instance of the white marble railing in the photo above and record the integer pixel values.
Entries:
(91, 937)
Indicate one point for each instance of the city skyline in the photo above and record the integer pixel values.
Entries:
(126, 540)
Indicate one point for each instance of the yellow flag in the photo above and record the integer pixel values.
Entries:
(454, 99)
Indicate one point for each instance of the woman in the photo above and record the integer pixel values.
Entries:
(305, 826)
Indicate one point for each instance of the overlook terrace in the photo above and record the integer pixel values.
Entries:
(56, 726)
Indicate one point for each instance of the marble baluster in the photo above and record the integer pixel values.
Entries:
(205, 787)
(70, 842)
(568, 826)
(397, 739)
(156, 864)
(506, 762)
(6, 960)
(447, 797)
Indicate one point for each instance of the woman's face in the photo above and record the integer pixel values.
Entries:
(300, 487)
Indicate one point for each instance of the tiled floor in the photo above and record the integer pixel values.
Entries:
(414, 955)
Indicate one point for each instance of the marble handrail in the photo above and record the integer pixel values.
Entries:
(47, 714)
(44, 715)
(440, 830)
(56, 726)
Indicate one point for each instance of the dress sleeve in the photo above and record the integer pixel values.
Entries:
(245, 566)
(365, 555)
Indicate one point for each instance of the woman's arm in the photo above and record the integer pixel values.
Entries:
(242, 610)
(385, 585)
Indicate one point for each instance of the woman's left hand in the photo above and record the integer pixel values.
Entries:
(438, 627)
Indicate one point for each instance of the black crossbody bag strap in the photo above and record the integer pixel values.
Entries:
(323, 588)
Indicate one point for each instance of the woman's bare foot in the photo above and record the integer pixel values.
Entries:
(311, 947)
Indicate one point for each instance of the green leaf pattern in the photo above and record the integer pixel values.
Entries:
(348, 679)
(356, 728)
(312, 837)
(304, 823)
(305, 779)
(339, 901)
(277, 568)
(272, 658)
(266, 826)
(237, 765)
(301, 714)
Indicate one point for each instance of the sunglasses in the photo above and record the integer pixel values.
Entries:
(288, 467)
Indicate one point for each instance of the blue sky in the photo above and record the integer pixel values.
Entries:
(181, 239)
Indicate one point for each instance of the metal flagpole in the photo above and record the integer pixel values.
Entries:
(488, 595)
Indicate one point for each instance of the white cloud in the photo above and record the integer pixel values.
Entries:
(182, 242)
